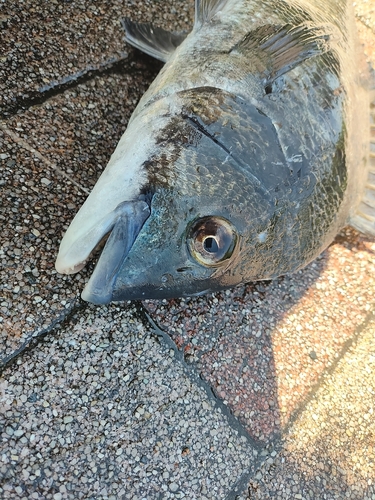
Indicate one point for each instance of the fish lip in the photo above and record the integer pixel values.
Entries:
(129, 223)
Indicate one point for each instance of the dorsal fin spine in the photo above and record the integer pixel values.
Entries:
(206, 9)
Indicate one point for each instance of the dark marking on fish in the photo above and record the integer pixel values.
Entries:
(170, 141)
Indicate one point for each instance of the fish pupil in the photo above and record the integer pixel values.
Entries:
(210, 245)
(268, 89)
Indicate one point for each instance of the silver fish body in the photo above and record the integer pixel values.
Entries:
(245, 157)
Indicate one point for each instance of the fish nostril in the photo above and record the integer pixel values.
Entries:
(268, 89)
(183, 269)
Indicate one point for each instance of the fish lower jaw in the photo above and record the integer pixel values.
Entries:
(96, 296)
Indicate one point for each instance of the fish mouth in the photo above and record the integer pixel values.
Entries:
(123, 225)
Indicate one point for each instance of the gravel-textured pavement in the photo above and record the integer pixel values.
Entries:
(265, 391)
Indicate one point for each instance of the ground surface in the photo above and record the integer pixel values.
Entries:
(265, 391)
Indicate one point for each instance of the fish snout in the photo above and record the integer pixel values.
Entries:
(130, 217)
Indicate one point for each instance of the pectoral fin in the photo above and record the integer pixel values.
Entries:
(282, 48)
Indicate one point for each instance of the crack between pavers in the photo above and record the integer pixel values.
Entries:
(242, 487)
(243, 481)
(242, 484)
(197, 379)
(329, 371)
(25, 145)
(35, 338)
(125, 64)
(277, 443)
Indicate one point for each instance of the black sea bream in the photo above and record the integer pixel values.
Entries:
(245, 157)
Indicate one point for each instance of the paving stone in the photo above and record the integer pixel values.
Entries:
(100, 408)
(329, 453)
(47, 43)
(73, 135)
(365, 13)
(35, 202)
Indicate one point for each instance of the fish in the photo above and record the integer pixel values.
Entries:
(242, 161)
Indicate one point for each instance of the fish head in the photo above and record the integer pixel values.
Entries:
(207, 210)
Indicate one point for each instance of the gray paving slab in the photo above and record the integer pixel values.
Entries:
(329, 452)
(51, 157)
(35, 202)
(101, 409)
(44, 44)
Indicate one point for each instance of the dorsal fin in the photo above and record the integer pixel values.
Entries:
(206, 9)
(154, 41)
(282, 48)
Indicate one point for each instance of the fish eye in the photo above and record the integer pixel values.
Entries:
(211, 240)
